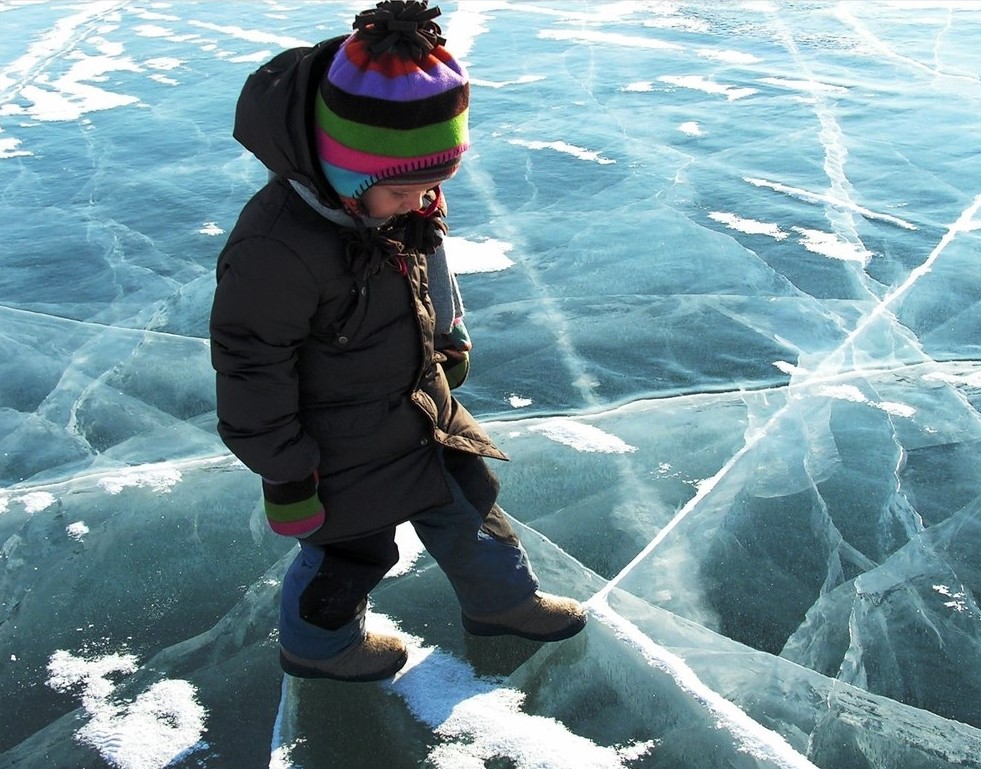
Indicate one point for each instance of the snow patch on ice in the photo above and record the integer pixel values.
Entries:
(153, 15)
(77, 530)
(585, 438)
(810, 86)
(9, 147)
(728, 56)
(151, 30)
(832, 246)
(163, 63)
(958, 600)
(164, 722)
(851, 393)
(968, 380)
(257, 57)
(32, 501)
(749, 226)
(478, 719)
(472, 256)
(844, 393)
(786, 367)
(827, 199)
(565, 148)
(36, 501)
(159, 478)
(699, 83)
(897, 409)
(282, 756)
(608, 38)
(410, 550)
(523, 80)
(211, 228)
(70, 95)
(281, 42)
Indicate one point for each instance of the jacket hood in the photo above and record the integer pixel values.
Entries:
(274, 114)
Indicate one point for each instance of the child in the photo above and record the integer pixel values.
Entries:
(336, 332)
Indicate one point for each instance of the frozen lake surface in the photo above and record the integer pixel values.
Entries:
(721, 264)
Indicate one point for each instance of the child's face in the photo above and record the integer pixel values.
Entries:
(384, 201)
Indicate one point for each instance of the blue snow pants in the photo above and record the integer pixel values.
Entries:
(324, 595)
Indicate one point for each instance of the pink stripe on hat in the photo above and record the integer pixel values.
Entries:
(369, 164)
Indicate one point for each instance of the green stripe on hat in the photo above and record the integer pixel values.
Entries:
(439, 137)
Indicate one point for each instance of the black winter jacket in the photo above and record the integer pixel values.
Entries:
(322, 339)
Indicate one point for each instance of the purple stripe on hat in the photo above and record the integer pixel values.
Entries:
(408, 86)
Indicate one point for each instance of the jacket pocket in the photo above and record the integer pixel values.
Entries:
(338, 324)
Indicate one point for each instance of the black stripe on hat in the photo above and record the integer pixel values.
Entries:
(400, 115)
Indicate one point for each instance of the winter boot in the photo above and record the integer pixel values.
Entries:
(542, 617)
(372, 658)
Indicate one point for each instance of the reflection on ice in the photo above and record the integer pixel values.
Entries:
(837, 724)
(644, 686)
(855, 598)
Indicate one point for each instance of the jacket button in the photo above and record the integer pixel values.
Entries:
(424, 442)
(342, 340)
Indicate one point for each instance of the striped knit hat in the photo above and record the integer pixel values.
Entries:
(393, 105)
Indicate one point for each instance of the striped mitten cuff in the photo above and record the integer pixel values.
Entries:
(293, 508)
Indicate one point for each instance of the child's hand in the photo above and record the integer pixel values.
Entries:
(459, 336)
(456, 366)
(293, 508)
(455, 349)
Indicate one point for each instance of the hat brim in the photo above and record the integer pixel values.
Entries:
(431, 175)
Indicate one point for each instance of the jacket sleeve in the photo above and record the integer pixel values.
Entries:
(261, 315)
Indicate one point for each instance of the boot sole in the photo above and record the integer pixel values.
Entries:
(298, 670)
(476, 627)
